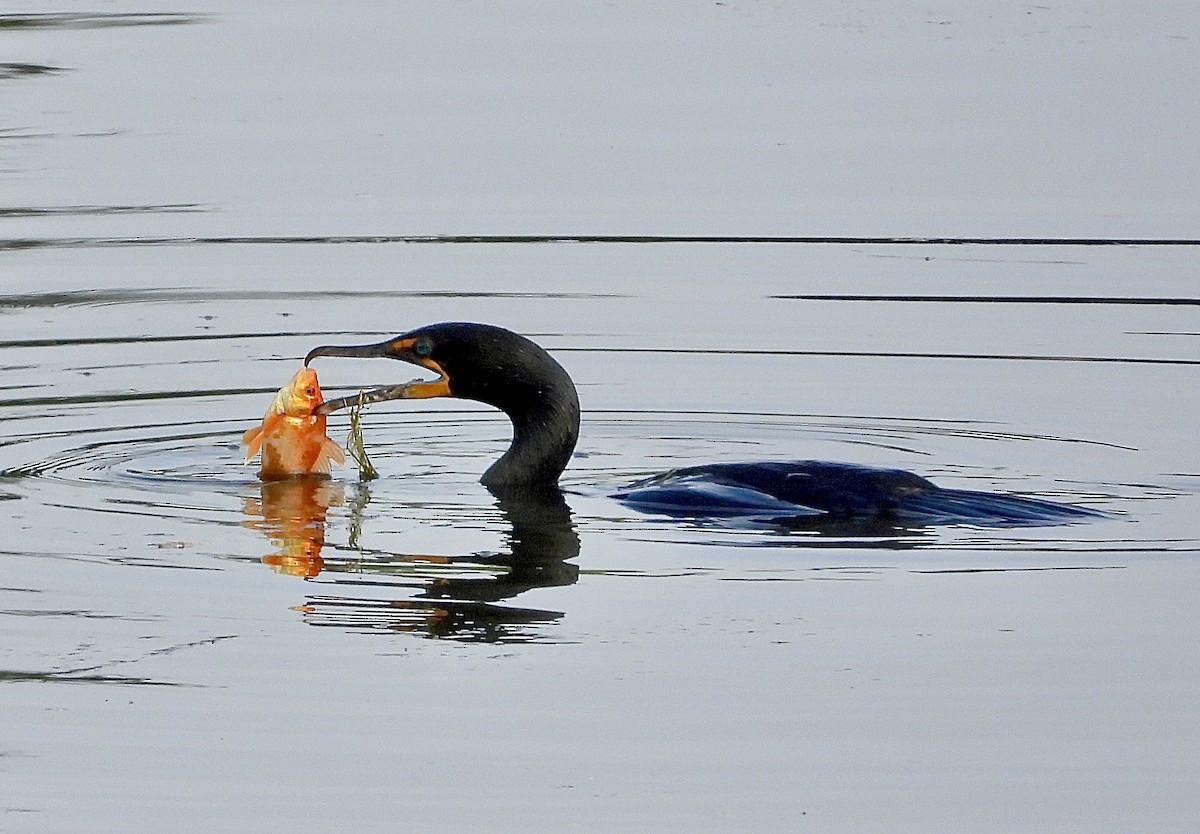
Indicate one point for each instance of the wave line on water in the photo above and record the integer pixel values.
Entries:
(998, 299)
(96, 20)
(853, 240)
(76, 211)
(99, 298)
(12, 70)
(883, 354)
(134, 396)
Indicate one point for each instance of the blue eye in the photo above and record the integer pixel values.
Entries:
(423, 347)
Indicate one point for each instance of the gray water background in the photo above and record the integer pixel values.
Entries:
(957, 239)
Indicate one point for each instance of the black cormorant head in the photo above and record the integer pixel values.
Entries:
(491, 365)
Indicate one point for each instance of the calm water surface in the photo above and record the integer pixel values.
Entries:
(184, 646)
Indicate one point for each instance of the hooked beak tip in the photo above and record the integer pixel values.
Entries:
(349, 351)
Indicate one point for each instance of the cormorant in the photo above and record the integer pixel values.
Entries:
(508, 371)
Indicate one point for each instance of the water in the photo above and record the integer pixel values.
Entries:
(699, 214)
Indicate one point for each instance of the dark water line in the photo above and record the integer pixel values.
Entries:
(94, 399)
(1015, 357)
(872, 354)
(96, 20)
(227, 425)
(933, 572)
(999, 299)
(136, 340)
(96, 298)
(75, 211)
(725, 415)
(10, 70)
(21, 676)
(80, 242)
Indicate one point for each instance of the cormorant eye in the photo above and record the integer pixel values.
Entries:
(423, 347)
(310, 391)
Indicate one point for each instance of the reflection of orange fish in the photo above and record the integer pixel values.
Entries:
(292, 513)
(291, 437)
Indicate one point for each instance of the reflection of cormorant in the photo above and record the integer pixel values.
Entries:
(456, 596)
(500, 368)
(541, 540)
(450, 597)
(458, 600)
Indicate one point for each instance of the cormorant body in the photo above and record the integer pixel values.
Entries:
(777, 490)
(503, 369)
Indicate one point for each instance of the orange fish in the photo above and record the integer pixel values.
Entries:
(291, 437)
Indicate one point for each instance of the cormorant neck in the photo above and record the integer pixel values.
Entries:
(544, 435)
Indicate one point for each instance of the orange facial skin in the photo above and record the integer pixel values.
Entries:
(291, 438)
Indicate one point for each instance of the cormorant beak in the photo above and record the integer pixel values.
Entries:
(402, 348)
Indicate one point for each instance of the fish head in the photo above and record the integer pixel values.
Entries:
(300, 396)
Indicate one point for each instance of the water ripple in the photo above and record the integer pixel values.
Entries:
(96, 20)
(96, 211)
(431, 463)
(834, 240)
(426, 550)
(10, 70)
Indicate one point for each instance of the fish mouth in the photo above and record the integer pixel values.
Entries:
(402, 349)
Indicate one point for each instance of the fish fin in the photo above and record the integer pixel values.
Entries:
(253, 440)
(330, 454)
